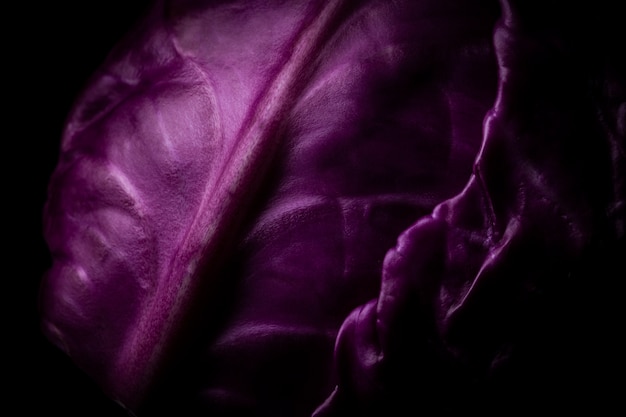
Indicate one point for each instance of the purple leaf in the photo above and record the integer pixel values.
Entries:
(333, 207)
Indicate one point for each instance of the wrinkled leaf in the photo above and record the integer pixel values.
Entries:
(335, 207)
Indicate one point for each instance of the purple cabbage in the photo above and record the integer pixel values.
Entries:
(331, 208)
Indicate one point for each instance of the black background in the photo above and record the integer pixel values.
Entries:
(49, 51)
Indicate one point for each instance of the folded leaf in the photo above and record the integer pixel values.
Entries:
(334, 207)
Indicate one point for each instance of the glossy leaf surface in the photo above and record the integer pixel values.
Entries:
(335, 207)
